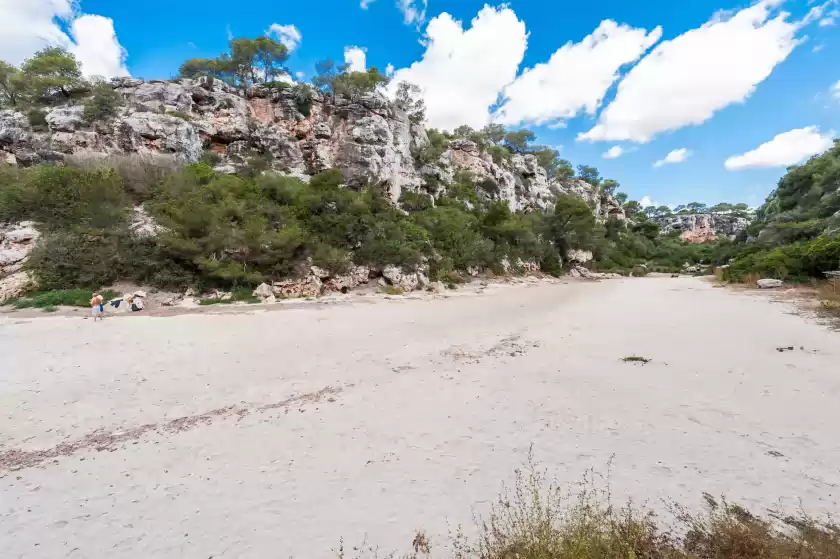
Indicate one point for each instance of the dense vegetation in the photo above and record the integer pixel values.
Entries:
(796, 230)
(222, 230)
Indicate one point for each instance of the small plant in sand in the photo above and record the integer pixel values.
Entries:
(636, 359)
(390, 290)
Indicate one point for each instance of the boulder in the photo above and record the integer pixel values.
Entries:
(144, 225)
(310, 286)
(769, 283)
(405, 281)
(15, 285)
(263, 291)
(14, 128)
(16, 242)
(358, 275)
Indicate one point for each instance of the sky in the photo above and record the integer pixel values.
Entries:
(708, 100)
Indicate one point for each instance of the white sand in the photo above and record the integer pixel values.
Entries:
(433, 403)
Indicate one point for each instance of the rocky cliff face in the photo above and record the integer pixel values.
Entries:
(16, 242)
(701, 228)
(368, 138)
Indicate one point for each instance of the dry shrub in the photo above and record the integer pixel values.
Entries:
(536, 519)
(751, 280)
(139, 173)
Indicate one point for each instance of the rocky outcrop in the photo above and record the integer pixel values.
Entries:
(701, 228)
(16, 242)
(404, 280)
(368, 138)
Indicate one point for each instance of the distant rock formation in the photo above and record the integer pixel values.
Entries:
(702, 228)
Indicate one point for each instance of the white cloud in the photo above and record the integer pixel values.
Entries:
(787, 148)
(675, 156)
(827, 22)
(97, 48)
(389, 70)
(27, 26)
(414, 11)
(576, 77)
(818, 47)
(365, 4)
(686, 80)
(300, 75)
(463, 70)
(835, 91)
(289, 35)
(613, 153)
(356, 57)
(646, 202)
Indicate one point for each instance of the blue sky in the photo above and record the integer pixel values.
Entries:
(652, 83)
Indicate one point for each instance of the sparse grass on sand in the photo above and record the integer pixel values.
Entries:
(52, 299)
(390, 290)
(829, 299)
(540, 520)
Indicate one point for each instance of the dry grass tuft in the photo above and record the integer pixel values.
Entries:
(536, 519)
(751, 280)
(139, 173)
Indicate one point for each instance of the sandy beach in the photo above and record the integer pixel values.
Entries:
(273, 433)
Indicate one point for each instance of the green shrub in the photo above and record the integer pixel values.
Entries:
(438, 143)
(103, 104)
(500, 154)
(302, 94)
(79, 257)
(211, 158)
(38, 119)
(62, 297)
(59, 198)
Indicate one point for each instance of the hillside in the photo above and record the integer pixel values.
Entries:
(217, 179)
(795, 232)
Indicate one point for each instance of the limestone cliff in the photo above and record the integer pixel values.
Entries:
(701, 228)
(369, 139)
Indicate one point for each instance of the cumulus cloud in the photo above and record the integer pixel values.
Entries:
(463, 70)
(289, 35)
(576, 77)
(646, 202)
(686, 80)
(787, 148)
(27, 26)
(414, 11)
(613, 153)
(356, 57)
(675, 156)
(365, 4)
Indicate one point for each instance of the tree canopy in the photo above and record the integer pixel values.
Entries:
(247, 62)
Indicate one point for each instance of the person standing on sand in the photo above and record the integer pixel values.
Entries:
(97, 306)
